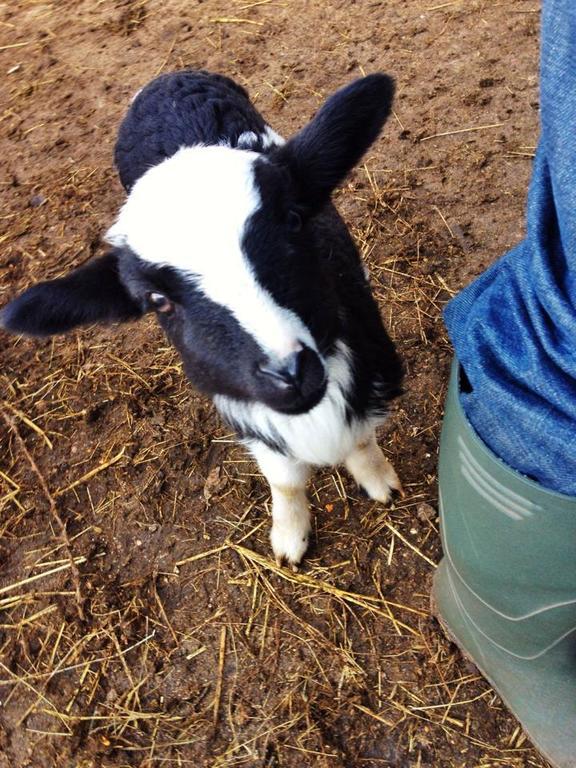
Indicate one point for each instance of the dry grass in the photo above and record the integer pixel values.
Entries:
(143, 621)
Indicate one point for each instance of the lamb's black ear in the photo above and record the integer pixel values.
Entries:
(90, 294)
(320, 156)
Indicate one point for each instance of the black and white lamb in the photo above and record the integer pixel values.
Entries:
(228, 233)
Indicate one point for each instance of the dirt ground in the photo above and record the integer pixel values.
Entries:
(143, 622)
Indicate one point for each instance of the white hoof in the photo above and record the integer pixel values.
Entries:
(372, 470)
(290, 542)
(380, 487)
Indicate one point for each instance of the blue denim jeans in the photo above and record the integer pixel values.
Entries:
(514, 328)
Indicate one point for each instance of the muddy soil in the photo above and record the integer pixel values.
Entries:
(156, 630)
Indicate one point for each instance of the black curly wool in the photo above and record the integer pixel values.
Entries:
(183, 109)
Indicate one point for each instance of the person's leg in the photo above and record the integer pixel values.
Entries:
(506, 589)
(514, 328)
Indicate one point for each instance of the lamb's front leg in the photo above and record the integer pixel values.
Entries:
(372, 470)
(290, 510)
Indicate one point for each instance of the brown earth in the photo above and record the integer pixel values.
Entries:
(174, 640)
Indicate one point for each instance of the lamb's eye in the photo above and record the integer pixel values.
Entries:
(294, 221)
(160, 303)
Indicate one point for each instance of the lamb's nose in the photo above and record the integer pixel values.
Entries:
(288, 371)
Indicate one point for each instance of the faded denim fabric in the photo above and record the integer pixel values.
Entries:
(514, 328)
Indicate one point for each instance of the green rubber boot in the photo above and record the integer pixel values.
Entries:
(505, 591)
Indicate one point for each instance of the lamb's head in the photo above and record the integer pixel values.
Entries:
(222, 244)
(209, 238)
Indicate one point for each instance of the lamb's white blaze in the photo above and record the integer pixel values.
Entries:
(190, 212)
